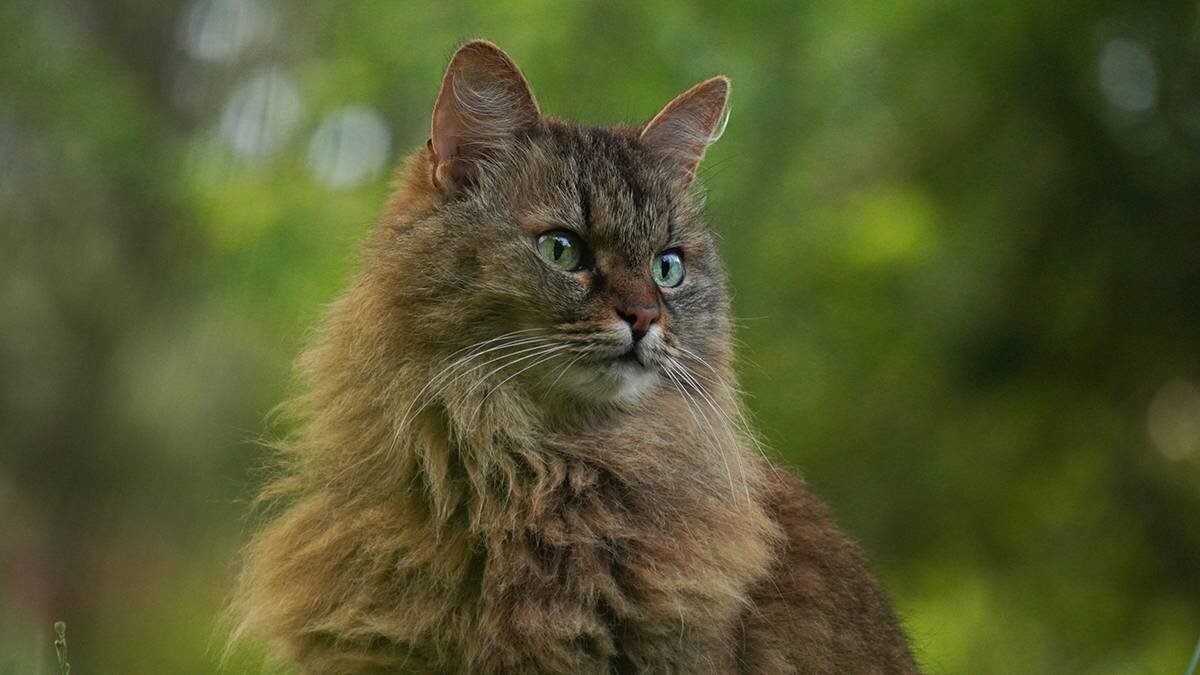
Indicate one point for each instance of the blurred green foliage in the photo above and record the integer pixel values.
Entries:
(964, 240)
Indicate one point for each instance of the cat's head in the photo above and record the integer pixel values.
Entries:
(565, 258)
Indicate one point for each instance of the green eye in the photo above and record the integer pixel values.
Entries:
(561, 249)
(668, 269)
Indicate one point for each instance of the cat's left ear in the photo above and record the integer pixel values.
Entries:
(682, 131)
(484, 102)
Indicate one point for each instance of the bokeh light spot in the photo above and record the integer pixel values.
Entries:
(1128, 76)
(218, 30)
(350, 146)
(262, 112)
(1174, 420)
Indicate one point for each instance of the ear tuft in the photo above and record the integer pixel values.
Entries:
(483, 103)
(682, 131)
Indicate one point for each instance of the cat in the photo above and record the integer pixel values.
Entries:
(520, 448)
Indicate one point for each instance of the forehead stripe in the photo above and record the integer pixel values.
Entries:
(585, 200)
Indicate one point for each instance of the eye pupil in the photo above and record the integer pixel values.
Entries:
(564, 251)
(670, 269)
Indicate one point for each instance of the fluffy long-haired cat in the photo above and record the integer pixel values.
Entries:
(521, 450)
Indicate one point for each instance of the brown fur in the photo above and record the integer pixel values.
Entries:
(507, 522)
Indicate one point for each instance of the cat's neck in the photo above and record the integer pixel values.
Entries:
(499, 466)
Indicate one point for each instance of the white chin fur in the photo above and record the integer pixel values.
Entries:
(617, 382)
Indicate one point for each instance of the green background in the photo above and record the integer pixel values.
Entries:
(963, 237)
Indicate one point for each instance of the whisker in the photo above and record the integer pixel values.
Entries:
(742, 422)
(485, 341)
(721, 416)
(564, 368)
(719, 411)
(719, 377)
(525, 348)
(550, 354)
(414, 409)
(482, 380)
(505, 345)
(439, 385)
(693, 409)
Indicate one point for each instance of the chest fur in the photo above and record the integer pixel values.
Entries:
(597, 575)
(553, 563)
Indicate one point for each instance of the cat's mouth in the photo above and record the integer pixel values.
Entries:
(631, 357)
(618, 373)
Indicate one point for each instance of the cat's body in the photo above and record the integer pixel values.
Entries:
(509, 465)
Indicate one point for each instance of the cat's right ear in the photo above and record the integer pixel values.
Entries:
(483, 103)
(681, 132)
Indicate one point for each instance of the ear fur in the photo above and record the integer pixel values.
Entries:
(682, 131)
(484, 101)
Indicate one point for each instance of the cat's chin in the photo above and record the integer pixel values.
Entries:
(619, 382)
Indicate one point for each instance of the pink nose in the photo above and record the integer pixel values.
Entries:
(639, 318)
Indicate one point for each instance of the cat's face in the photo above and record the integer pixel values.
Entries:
(572, 259)
(580, 240)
